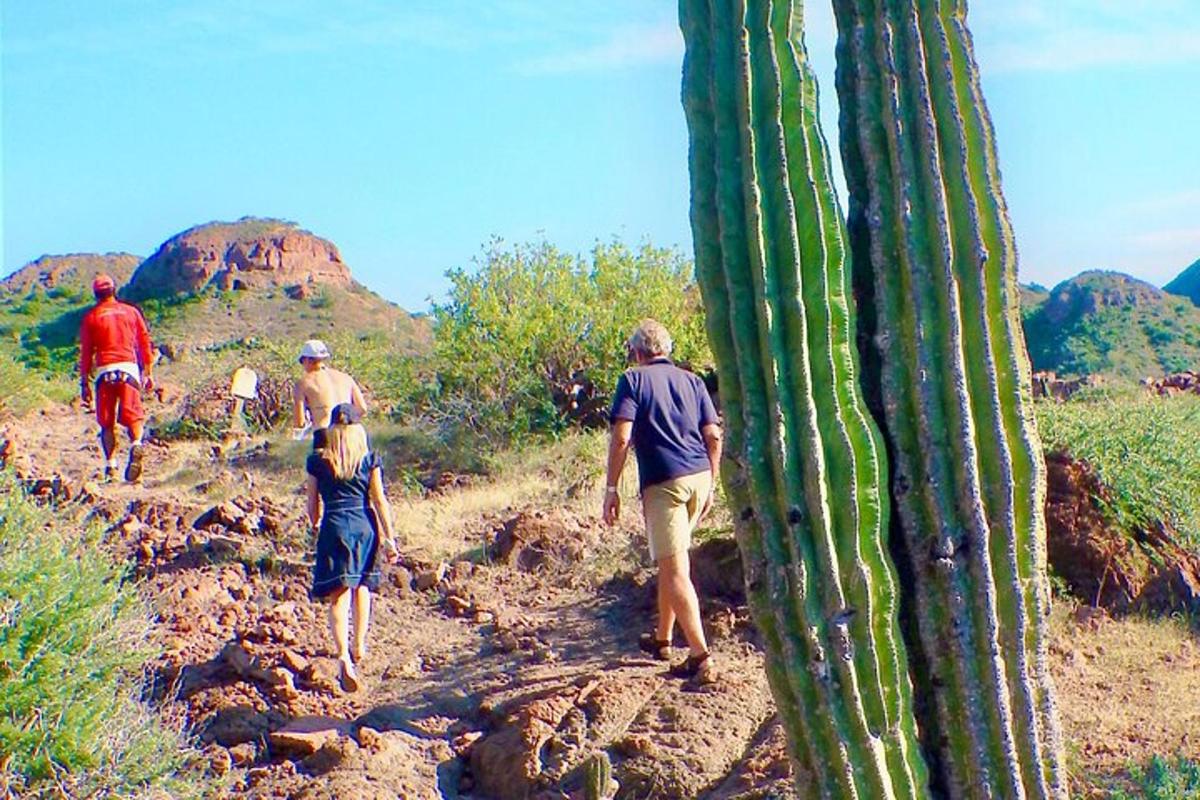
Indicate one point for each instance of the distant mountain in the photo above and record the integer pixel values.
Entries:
(72, 273)
(213, 287)
(251, 253)
(1032, 297)
(1110, 323)
(1187, 284)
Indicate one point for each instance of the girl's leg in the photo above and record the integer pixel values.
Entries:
(362, 620)
(339, 622)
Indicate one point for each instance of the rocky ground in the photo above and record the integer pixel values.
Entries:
(503, 663)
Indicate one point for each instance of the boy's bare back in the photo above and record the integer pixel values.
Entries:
(321, 391)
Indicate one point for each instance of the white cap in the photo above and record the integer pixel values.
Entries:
(314, 348)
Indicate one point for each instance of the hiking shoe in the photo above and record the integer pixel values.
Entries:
(133, 472)
(697, 669)
(110, 475)
(661, 650)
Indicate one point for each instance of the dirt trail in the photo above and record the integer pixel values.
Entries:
(498, 679)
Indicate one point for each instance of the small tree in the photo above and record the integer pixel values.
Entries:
(533, 339)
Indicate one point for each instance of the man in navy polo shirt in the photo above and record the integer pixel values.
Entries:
(667, 415)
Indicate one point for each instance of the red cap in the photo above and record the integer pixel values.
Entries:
(103, 283)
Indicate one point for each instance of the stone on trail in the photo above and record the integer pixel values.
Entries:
(305, 736)
(432, 577)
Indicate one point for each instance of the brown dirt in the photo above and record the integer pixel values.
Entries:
(500, 678)
(1101, 564)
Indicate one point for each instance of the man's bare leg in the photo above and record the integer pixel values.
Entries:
(674, 577)
(133, 472)
(108, 444)
(666, 611)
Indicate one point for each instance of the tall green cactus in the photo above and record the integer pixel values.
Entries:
(806, 475)
(935, 271)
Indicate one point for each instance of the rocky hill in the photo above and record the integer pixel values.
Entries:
(209, 289)
(252, 253)
(1187, 283)
(1113, 324)
(71, 273)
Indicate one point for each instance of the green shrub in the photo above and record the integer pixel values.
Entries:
(320, 299)
(1163, 780)
(72, 645)
(532, 321)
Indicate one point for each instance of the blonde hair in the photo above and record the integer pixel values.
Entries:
(651, 339)
(345, 449)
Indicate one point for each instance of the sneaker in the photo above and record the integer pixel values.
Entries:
(697, 669)
(659, 649)
(133, 472)
(110, 474)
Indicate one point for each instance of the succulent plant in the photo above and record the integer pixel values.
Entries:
(806, 476)
(935, 270)
(944, 371)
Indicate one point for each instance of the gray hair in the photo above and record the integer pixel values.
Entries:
(651, 339)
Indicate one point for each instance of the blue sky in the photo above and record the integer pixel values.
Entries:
(410, 132)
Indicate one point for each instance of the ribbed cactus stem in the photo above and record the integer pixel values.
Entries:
(806, 475)
(598, 780)
(944, 357)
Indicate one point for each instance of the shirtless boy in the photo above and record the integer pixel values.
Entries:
(321, 389)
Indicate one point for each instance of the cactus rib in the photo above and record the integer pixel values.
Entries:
(770, 252)
(934, 255)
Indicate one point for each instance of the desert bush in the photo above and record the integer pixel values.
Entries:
(1163, 779)
(25, 389)
(534, 338)
(1143, 448)
(72, 645)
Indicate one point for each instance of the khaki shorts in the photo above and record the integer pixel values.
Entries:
(672, 509)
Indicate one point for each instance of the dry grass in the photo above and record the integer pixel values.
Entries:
(1127, 691)
(567, 475)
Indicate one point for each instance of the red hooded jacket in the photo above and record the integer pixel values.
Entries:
(114, 332)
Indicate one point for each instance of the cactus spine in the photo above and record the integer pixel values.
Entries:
(805, 475)
(935, 270)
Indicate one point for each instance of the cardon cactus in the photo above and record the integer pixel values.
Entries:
(806, 476)
(935, 272)
(598, 780)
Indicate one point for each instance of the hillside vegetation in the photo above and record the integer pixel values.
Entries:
(1112, 324)
(68, 273)
(1187, 283)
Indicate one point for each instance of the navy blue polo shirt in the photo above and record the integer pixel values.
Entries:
(667, 406)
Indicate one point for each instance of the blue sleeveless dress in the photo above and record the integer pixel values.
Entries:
(348, 542)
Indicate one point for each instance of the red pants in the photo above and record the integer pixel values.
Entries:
(118, 402)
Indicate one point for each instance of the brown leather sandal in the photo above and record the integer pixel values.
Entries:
(661, 650)
(695, 668)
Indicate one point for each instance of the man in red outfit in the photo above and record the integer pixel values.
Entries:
(114, 346)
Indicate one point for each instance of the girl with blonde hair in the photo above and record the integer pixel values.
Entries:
(348, 507)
